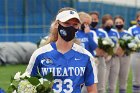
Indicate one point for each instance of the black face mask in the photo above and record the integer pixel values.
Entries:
(108, 28)
(67, 33)
(82, 27)
(119, 27)
(138, 22)
(93, 24)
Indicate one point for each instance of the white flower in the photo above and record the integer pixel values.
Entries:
(126, 37)
(17, 76)
(132, 45)
(114, 38)
(26, 87)
(26, 74)
(137, 39)
(105, 42)
(14, 91)
(112, 44)
(42, 80)
(108, 41)
(138, 45)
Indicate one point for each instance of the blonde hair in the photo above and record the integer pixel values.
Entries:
(84, 15)
(53, 36)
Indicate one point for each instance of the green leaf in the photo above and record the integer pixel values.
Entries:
(49, 77)
(40, 89)
(52, 91)
(11, 89)
(12, 78)
(15, 83)
(39, 75)
(48, 90)
(34, 81)
(51, 84)
(46, 84)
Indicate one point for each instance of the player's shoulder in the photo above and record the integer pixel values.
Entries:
(132, 27)
(81, 50)
(125, 31)
(101, 30)
(43, 49)
(92, 31)
(114, 30)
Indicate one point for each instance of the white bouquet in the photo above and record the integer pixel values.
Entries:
(26, 84)
(137, 41)
(128, 44)
(106, 44)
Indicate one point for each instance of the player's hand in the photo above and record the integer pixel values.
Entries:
(87, 28)
(119, 52)
(100, 52)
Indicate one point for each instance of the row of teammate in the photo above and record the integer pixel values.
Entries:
(118, 66)
(72, 65)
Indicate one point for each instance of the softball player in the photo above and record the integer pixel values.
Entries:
(95, 20)
(83, 35)
(135, 57)
(101, 66)
(124, 60)
(71, 67)
(112, 65)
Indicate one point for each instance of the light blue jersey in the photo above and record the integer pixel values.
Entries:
(93, 37)
(87, 40)
(113, 34)
(70, 70)
(134, 30)
(101, 33)
(135, 61)
(121, 34)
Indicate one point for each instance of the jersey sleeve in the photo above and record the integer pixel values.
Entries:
(89, 74)
(130, 31)
(91, 61)
(92, 41)
(33, 65)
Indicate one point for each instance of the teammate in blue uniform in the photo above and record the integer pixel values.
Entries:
(83, 35)
(95, 20)
(135, 57)
(124, 60)
(112, 69)
(101, 66)
(72, 65)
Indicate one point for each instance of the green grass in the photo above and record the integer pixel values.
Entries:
(7, 71)
(129, 84)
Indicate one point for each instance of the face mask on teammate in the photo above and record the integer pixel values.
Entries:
(67, 33)
(93, 24)
(119, 27)
(138, 22)
(108, 28)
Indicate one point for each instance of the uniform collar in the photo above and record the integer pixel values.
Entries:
(56, 54)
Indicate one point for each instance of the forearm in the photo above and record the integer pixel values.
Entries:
(92, 88)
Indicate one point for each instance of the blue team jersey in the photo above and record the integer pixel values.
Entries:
(113, 34)
(101, 33)
(87, 40)
(70, 70)
(121, 34)
(134, 30)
